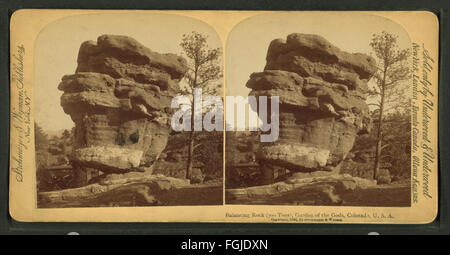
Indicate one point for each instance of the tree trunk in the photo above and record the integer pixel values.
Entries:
(190, 155)
(267, 174)
(377, 157)
(191, 134)
(190, 145)
(380, 132)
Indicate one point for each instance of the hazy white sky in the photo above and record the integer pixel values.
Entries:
(248, 42)
(58, 44)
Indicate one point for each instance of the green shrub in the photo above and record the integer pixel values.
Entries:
(134, 138)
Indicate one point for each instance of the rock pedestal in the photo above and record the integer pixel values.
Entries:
(119, 99)
(322, 92)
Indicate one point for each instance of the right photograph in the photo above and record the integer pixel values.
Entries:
(321, 112)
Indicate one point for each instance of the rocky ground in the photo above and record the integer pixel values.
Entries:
(135, 189)
(342, 190)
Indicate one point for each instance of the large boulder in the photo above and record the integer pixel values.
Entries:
(119, 99)
(318, 190)
(322, 92)
(313, 55)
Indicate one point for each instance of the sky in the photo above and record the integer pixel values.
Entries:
(57, 46)
(247, 43)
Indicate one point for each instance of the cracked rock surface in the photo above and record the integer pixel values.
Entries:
(322, 92)
(119, 99)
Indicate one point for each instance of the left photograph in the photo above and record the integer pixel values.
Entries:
(118, 99)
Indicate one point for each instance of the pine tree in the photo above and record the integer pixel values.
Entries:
(392, 70)
(204, 68)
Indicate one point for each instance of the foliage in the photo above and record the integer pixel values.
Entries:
(120, 139)
(208, 155)
(41, 138)
(204, 68)
(396, 148)
(388, 92)
(204, 63)
(53, 152)
(242, 169)
(134, 138)
(395, 157)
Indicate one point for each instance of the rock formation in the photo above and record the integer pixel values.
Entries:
(119, 99)
(134, 189)
(322, 92)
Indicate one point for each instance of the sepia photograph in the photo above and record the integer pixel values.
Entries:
(104, 90)
(343, 94)
(224, 116)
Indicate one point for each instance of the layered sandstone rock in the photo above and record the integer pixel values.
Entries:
(119, 99)
(322, 92)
